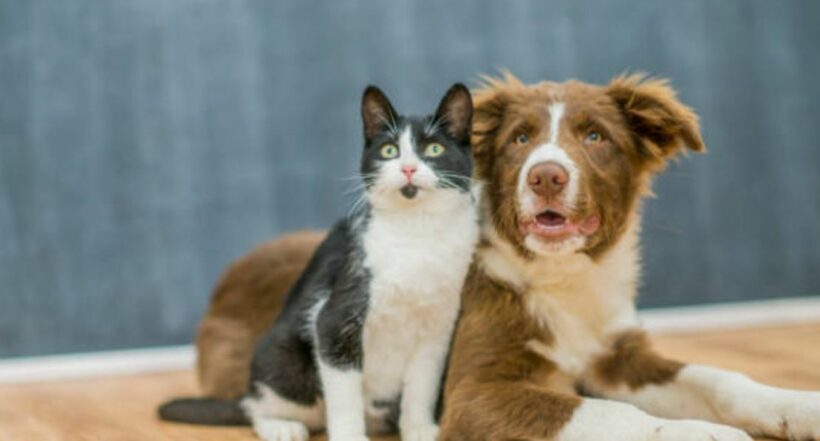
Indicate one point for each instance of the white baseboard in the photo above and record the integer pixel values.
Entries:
(96, 364)
(684, 319)
(687, 319)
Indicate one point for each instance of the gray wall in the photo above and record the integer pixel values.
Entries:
(145, 143)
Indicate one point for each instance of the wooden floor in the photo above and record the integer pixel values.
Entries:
(122, 408)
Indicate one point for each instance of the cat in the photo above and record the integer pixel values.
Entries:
(362, 342)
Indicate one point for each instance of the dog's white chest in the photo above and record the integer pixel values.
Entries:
(582, 311)
(583, 302)
(579, 325)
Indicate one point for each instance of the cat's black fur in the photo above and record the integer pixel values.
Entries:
(285, 357)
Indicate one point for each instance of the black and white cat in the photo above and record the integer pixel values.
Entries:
(361, 344)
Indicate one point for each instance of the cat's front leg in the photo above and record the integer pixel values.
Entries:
(422, 383)
(344, 403)
(339, 356)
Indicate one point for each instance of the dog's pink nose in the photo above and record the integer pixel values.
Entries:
(547, 179)
(408, 171)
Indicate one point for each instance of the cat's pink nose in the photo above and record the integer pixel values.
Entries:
(408, 171)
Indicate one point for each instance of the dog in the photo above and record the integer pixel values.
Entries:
(548, 345)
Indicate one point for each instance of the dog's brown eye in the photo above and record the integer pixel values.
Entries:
(593, 137)
(522, 139)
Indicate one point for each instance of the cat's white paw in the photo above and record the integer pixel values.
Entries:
(270, 429)
(420, 433)
(689, 430)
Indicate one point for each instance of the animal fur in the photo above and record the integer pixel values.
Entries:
(548, 345)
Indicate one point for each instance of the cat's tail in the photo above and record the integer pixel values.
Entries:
(208, 411)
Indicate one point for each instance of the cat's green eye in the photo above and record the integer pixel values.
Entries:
(433, 150)
(389, 151)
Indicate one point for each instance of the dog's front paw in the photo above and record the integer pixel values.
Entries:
(420, 433)
(688, 430)
(788, 414)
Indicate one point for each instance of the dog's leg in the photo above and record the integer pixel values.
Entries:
(634, 373)
(523, 410)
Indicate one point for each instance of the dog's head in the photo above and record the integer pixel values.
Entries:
(566, 162)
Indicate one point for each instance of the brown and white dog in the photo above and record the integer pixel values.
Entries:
(549, 314)
(548, 317)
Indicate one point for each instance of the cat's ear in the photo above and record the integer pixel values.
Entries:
(377, 112)
(456, 113)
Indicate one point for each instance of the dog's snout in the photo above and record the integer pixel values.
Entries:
(547, 179)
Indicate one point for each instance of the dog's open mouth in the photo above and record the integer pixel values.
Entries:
(552, 224)
(551, 219)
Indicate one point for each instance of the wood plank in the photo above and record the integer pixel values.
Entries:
(123, 408)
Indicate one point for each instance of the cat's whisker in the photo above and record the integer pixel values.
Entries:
(449, 184)
(461, 178)
(392, 128)
(431, 126)
(358, 204)
(353, 190)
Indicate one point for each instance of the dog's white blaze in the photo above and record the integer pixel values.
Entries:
(556, 114)
(551, 151)
(609, 420)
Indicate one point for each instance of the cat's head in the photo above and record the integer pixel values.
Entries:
(408, 160)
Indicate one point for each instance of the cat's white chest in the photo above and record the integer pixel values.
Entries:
(417, 266)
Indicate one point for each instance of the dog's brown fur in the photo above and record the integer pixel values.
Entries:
(496, 388)
(246, 300)
(632, 361)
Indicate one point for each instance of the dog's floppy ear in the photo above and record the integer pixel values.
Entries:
(377, 112)
(662, 124)
(455, 111)
(489, 105)
(488, 112)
